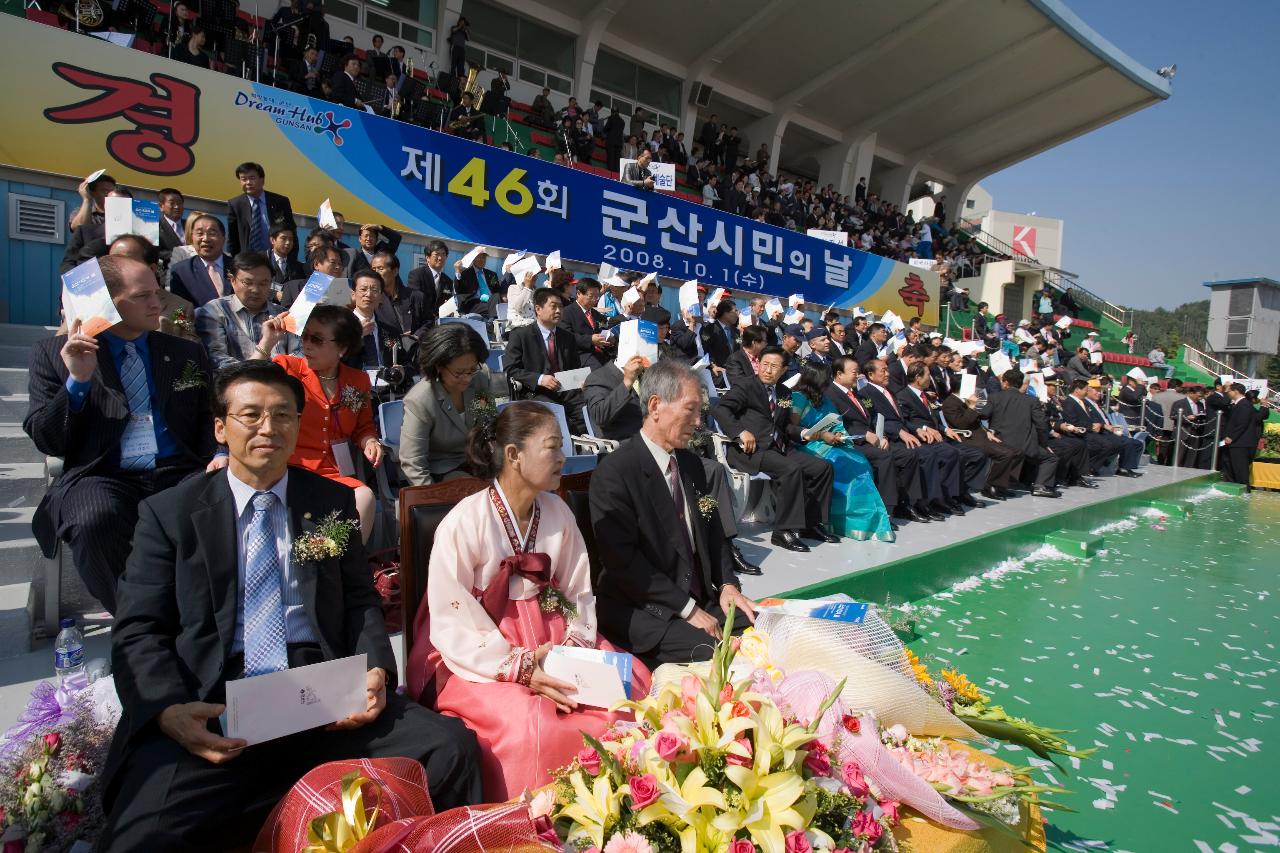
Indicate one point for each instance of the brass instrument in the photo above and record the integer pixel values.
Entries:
(477, 99)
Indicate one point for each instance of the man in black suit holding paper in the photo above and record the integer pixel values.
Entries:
(586, 324)
(666, 575)
(756, 414)
(215, 591)
(538, 351)
(897, 469)
(431, 280)
(918, 414)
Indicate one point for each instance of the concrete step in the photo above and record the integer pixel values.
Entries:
(13, 381)
(15, 446)
(14, 334)
(13, 408)
(20, 557)
(15, 623)
(21, 483)
(15, 355)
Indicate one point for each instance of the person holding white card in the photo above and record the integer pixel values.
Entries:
(338, 419)
(237, 575)
(509, 579)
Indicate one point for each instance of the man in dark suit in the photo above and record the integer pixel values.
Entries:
(431, 280)
(614, 136)
(252, 215)
(213, 592)
(172, 229)
(741, 363)
(1022, 424)
(1240, 436)
(758, 419)
(128, 411)
(1006, 459)
(284, 244)
(1066, 441)
(205, 276)
(374, 238)
(918, 412)
(637, 174)
(939, 465)
(343, 85)
(897, 470)
(466, 121)
(869, 350)
(666, 578)
(90, 239)
(467, 285)
(325, 258)
(1103, 444)
(535, 353)
(720, 336)
(586, 324)
(1195, 439)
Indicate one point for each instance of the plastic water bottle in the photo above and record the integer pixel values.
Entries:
(68, 655)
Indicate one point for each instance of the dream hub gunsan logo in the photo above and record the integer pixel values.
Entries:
(286, 113)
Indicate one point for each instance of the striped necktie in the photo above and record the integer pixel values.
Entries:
(133, 375)
(257, 234)
(264, 635)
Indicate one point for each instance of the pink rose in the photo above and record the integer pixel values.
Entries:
(741, 845)
(644, 790)
(854, 779)
(867, 826)
(52, 741)
(817, 762)
(589, 759)
(741, 760)
(668, 745)
(890, 809)
(797, 843)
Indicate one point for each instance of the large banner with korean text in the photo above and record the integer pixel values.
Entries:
(151, 123)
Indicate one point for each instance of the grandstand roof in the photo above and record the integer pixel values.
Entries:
(963, 87)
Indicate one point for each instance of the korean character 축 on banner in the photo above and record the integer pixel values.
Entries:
(800, 264)
(424, 166)
(670, 222)
(767, 251)
(720, 243)
(553, 198)
(618, 221)
(836, 270)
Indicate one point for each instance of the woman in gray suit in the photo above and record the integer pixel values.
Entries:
(440, 410)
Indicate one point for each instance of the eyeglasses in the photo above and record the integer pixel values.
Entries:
(369, 289)
(281, 418)
(462, 374)
(312, 338)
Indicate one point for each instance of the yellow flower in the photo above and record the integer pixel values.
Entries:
(755, 648)
(921, 672)
(594, 809)
(964, 688)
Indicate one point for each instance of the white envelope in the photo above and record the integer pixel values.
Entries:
(571, 380)
(279, 704)
(968, 386)
(325, 216)
(1063, 322)
(792, 382)
(524, 266)
(771, 307)
(510, 260)
(688, 294)
(598, 683)
(469, 258)
(553, 261)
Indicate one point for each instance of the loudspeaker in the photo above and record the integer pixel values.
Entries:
(700, 95)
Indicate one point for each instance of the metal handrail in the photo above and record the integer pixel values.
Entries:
(1203, 361)
(1055, 277)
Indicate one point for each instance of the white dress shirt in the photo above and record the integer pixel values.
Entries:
(297, 627)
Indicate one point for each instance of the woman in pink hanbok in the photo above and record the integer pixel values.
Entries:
(508, 579)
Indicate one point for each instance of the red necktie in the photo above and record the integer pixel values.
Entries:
(551, 353)
(853, 399)
(586, 312)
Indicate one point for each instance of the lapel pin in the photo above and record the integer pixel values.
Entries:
(306, 515)
(166, 358)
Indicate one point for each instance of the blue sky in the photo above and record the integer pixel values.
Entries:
(1183, 192)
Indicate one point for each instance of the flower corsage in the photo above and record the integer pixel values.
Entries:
(707, 506)
(552, 600)
(181, 322)
(784, 402)
(483, 408)
(353, 398)
(329, 539)
(190, 378)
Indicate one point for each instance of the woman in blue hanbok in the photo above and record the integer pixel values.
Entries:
(856, 508)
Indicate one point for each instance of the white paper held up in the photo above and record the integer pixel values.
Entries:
(598, 682)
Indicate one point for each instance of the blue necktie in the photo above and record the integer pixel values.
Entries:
(257, 235)
(133, 375)
(264, 636)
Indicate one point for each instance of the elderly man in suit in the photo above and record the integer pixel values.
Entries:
(586, 324)
(535, 353)
(374, 239)
(1104, 445)
(431, 280)
(1006, 457)
(666, 577)
(343, 84)
(215, 591)
(128, 411)
(758, 418)
(1195, 438)
(252, 214)
(917, 407)
(204, 276)
(741, 363)
(324, 258)
(243, 326)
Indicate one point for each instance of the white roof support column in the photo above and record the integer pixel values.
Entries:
(768, 130)
(588, 46)
(845, 161)
(895, 185)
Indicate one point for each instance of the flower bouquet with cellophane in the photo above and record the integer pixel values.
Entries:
(720, 761)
